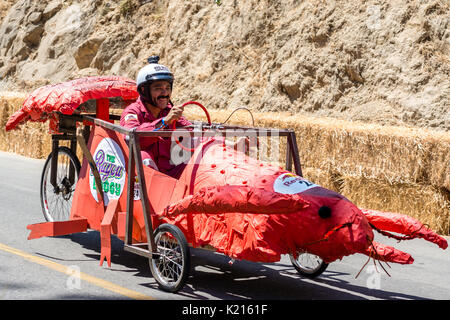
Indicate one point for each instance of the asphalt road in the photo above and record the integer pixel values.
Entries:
(67, 267)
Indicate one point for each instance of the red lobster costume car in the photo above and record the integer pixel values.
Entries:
(240, 206)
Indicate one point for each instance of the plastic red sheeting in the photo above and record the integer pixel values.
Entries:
(252, 210)
(223, 199)
(387, 253)
(406, 225)
(67, 96)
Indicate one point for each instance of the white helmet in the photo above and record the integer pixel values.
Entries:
(153, 72)
(150, 73)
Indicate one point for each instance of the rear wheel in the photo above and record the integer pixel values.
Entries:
(171, 266)
(56, 201)
(308, 265)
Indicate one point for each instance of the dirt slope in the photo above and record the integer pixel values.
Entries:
(382, 61)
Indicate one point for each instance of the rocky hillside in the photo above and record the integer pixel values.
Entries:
(383, 61)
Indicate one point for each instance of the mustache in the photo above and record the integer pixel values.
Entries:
(163, 97)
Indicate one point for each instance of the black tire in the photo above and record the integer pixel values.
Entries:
(308, 265)
(171, 266)
(56, 202)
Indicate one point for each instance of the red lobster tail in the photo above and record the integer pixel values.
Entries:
(244, 199)
(16, 118)
(400, 223)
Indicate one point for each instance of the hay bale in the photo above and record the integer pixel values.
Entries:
(30, 140)
(439, 162)
(426, 203)
(392, 153)
(400, 155)
(324, 178)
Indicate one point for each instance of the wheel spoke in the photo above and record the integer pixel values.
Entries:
(308, 264)
(57, 206)
(169, 263)
(171, 267)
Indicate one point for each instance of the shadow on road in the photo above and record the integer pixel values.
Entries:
(212, 277)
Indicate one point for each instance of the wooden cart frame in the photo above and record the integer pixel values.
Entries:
(70, 133)
(71, 130)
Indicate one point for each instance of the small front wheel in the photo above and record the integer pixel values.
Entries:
(308, 265)
(171, 266)
(56, 201)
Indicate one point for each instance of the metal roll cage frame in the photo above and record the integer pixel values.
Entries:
(70, 132)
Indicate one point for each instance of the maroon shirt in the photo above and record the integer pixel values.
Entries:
(137, 116)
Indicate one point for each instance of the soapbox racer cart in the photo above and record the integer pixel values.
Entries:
(78, 116)
(225, 200)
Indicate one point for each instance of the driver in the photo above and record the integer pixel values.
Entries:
(153, 110)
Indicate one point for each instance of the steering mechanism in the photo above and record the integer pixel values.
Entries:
(174, 123)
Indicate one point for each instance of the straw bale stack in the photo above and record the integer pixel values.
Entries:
(427, 203)
(395, 154)
(424, 202)
(31, 140)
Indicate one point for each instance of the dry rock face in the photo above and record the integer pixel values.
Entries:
(382, 61)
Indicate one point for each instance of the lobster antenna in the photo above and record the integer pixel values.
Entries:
(241, 108)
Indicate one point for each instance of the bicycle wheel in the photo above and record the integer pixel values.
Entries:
(308, 265)
(56, 201)
(171, 266)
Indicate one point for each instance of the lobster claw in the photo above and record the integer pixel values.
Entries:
(388, 254)
(403, 224)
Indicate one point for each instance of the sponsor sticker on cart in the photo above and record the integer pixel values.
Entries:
(289, 183)
(137, 192)
(111, 166)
